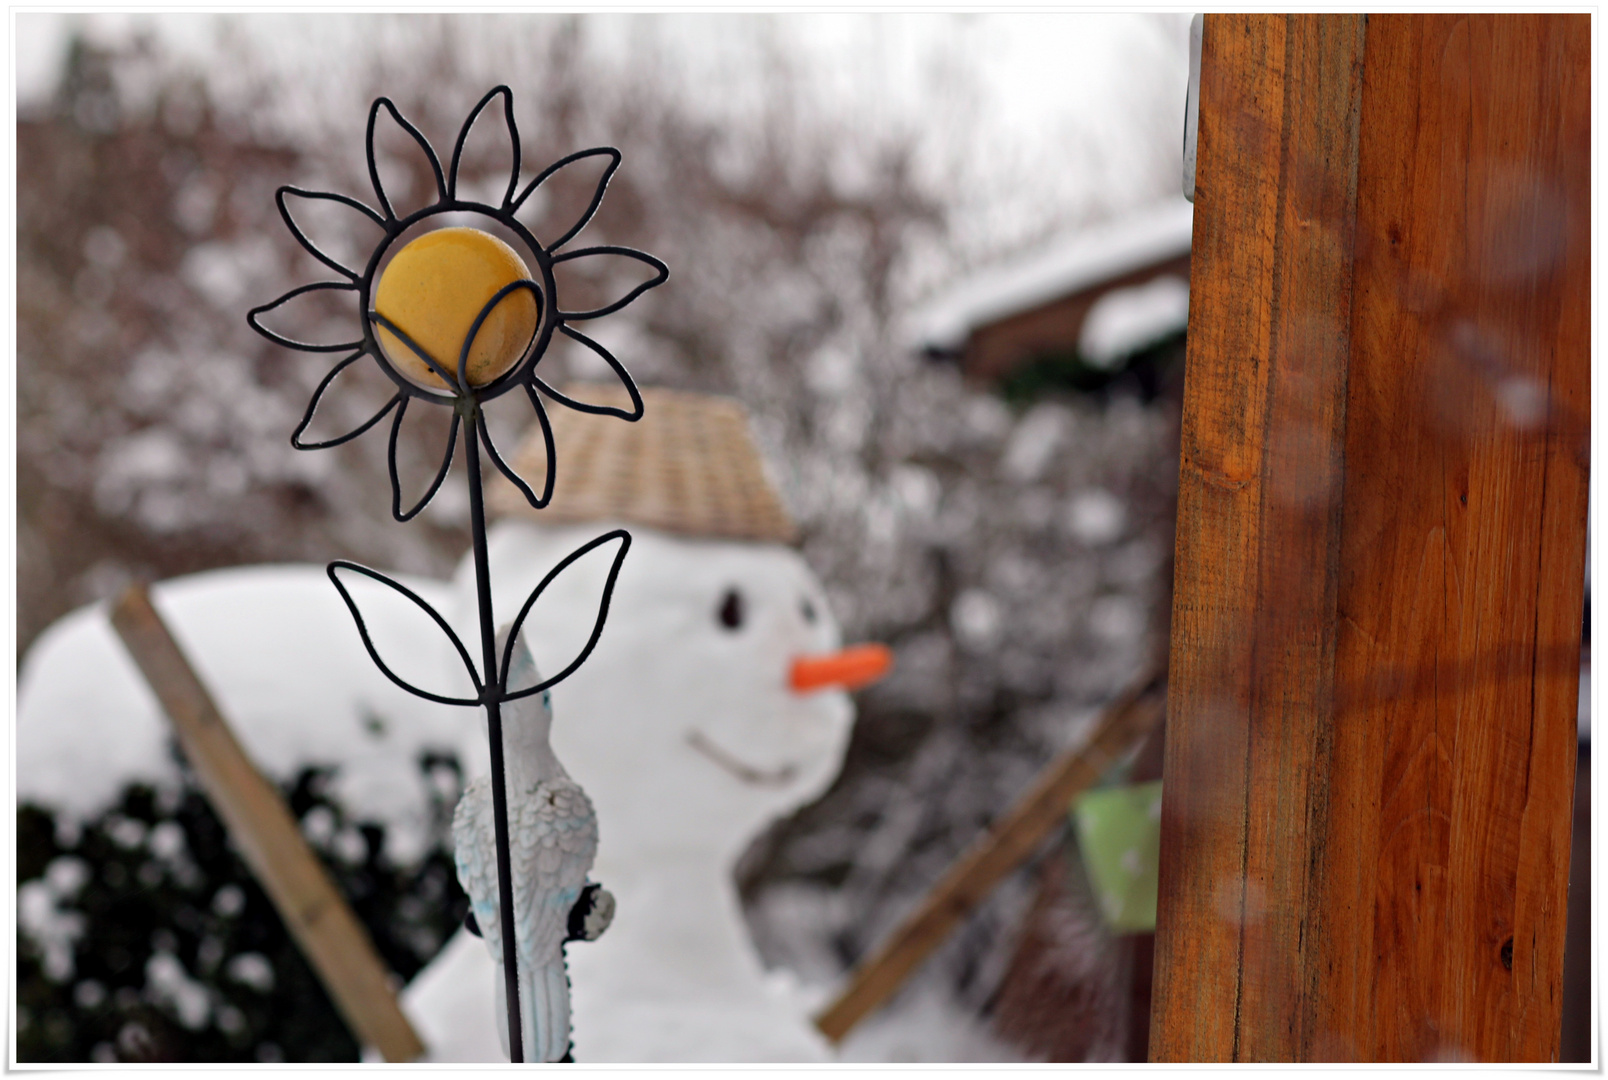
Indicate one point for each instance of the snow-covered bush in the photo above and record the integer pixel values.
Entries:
(142, 936)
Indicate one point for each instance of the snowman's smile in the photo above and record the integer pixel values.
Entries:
(746, 773)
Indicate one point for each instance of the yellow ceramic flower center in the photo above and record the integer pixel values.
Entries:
(435, 287)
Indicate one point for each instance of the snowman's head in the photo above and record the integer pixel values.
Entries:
(714, 700)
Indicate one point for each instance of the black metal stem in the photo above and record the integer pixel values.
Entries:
(491, 695)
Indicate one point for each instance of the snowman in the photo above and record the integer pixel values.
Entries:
(714, 702)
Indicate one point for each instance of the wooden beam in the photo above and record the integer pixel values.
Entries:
(995, 854)
(1380, 551)
(262, 828)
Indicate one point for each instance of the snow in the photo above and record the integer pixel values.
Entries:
(1117, 619)
(39, 913)
(1095, 517)
(1123, 321)
(1037, 437)
(229, 901)
(252, 969)
(171, 985)
(1149, 236)
(925, 1028)
(977, 619)
(281, 656)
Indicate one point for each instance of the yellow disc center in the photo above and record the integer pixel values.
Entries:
(433, 290)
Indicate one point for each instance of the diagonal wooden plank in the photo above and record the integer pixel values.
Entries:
(995, 854)
(261, 826)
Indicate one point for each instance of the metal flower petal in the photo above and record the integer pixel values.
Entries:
(374, 122)
(396, 478)
(619, 369)
(613, 158)
(510, 139)
(400, 612)
(332, 385)
(282, 199)
(597, 627)
(254, 316)
(660, 273)
(537, 502)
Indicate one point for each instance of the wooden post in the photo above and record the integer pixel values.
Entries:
(1002, 849)
(263, 829)
(1381, 542)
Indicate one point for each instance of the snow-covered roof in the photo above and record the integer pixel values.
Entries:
(1152, 235)
(1125, 320)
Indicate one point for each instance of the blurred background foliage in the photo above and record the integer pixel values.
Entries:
(1011, 543)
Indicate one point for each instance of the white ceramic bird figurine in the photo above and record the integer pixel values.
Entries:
(552, 836)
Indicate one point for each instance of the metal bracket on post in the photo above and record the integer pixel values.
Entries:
(1192, 106)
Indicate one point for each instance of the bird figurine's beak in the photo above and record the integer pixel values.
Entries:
(854, 667)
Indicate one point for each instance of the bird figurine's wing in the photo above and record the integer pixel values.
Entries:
(474, 851)
(552, 842)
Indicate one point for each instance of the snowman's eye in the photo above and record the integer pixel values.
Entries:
(807, 609)
(730, 613)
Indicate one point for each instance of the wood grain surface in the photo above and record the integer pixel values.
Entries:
(1380, 542)
(262, 828)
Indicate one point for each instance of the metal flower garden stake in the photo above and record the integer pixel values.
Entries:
(455, 319)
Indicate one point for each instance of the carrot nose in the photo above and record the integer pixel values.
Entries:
(854, 667)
